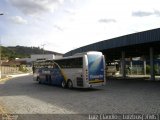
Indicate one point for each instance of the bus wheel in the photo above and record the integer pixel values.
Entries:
(70, 84)
(63, 84)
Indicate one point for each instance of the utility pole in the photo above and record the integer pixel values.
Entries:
(0, 55)
(43, 49)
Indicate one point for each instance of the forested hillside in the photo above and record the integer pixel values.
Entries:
(21, 52)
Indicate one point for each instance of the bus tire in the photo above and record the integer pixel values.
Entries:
(63, 84)
(70, 84)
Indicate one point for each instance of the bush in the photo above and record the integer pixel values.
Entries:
(23, 68)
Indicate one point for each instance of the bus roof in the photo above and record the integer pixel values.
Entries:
(78, 55)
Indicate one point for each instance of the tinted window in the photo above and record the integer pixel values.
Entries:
(70, 63)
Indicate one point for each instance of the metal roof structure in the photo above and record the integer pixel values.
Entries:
(134, 45)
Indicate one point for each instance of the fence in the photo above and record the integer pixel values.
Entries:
(8, 70)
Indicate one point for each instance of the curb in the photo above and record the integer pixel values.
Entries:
(14, 76)
(19, 75)
(4, 79)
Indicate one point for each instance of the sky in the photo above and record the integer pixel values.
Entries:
(64, 25)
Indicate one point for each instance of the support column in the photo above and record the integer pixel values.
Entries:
(144, 64)
(131, 66)
(152, 77)
(158, 69)
(123, 65)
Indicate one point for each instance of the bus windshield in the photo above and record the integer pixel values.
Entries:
(96, 67)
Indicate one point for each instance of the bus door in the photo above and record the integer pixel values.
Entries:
(45, 77)
(56, 75)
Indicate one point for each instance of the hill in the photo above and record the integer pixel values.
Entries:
(12, 52)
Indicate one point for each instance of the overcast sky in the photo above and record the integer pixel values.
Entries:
(63, 25)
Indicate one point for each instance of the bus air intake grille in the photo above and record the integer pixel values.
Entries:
(79, 81)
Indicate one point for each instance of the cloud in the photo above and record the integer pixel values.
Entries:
(18, 20)
(70, 11)
(107, 20)
(157, 13)
(34, 7)
(145, 14)
(141, 13)
(58, 27)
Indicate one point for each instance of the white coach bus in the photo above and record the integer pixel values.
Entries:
(83, 70)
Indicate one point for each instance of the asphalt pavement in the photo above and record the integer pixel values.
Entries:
(22, 95)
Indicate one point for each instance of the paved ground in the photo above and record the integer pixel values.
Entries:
(24, 96)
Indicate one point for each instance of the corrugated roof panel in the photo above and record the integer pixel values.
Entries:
(123, 41)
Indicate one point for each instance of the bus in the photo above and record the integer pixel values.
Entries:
(82, 70)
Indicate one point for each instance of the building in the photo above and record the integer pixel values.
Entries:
(13, 63)
(143, 44)
(35, 57)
